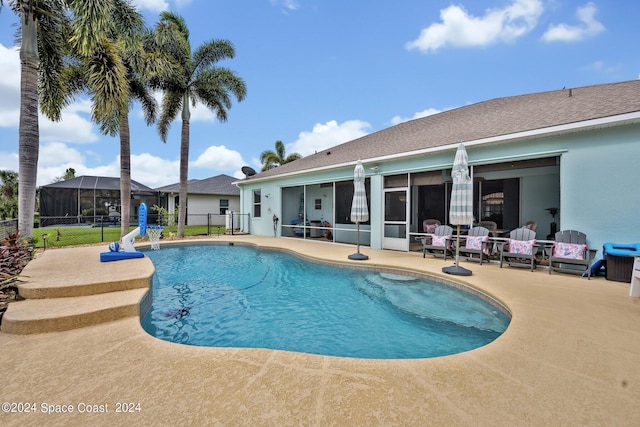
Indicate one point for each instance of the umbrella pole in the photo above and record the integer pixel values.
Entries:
(456, 269)
(358, 256)
(457, 245)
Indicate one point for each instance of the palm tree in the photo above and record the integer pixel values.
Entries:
(42, 25)
(48, 43)
(197, 79)
(271, 159)
(114, 87)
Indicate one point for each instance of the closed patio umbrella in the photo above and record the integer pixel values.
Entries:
(461, 208)
(359, 209)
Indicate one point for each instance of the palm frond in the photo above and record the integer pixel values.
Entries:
(171, 106)
(107, 80)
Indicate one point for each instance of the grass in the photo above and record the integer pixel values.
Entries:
(70, 236)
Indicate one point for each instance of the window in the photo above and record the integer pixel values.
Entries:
(224, 206)
(257, 207)
(344, 197)
(318, 204)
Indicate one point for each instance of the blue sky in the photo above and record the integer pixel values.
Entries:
(323, 72)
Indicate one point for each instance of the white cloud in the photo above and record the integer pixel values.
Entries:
(286, 4)
(8, 161)
(151, 170)
(601, 67)
(459, 29)
(57, 153)
(219, 158)
(152, 5)
(327, 135)
(9, 86)
(589, 27)
(73, 127)
(428, 112)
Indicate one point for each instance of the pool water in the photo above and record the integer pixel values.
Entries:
(240, 296)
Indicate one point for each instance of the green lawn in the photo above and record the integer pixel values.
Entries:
(68, 236)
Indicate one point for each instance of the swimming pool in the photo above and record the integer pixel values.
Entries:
(241, 296)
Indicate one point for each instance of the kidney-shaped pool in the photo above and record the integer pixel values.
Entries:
(240, 296)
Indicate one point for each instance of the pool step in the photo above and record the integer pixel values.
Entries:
(60, 295)
(35, 316)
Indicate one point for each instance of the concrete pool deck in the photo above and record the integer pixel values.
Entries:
(571, 356)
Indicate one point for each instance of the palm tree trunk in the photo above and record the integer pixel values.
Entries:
(29, 135)
(184, 177)
(125, 175)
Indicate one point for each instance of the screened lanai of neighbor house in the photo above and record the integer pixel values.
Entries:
(90, 200)
(553, 157)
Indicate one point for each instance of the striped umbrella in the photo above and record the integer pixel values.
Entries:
(359, 209)
(461, 208)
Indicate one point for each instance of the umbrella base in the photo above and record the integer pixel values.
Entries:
(358, 257)
(456, 270)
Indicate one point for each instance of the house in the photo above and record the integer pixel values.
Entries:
(208, 200)
(89, 199)
(566, 159)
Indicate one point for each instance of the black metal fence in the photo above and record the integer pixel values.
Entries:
(68, 231)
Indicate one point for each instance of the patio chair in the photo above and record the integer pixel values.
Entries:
(520, 250)
(476, 242)
(570, 253)
(439, 244)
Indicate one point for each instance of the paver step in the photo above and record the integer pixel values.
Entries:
(34, 316)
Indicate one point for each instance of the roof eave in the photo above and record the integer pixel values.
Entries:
(599, 123)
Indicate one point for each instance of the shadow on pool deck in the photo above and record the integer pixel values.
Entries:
(571, 356)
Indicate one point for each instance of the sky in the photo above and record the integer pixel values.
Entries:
(323, 72)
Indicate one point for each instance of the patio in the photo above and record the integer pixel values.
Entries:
(570, 356)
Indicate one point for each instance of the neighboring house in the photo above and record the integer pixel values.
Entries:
(89, 199)
(208, 200)
(576, 150)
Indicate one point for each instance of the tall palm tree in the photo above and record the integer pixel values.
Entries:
(49, 40)
(197, 79)
(271, 159)
(42, 35)
(114, 86)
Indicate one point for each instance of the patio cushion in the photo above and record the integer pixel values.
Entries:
(569, 250)
(430, 228)
(524, 247)
(440, 241)
(475, 242)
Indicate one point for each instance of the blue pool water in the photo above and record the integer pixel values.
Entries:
(240, 296)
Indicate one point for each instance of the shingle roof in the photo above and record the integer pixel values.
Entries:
(488, 119)
(88, 182)
(220, 184)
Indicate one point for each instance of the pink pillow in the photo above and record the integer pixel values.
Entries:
(475, 242)
(569, 250)
(430, 228)
(440, 241)
(524, 247)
